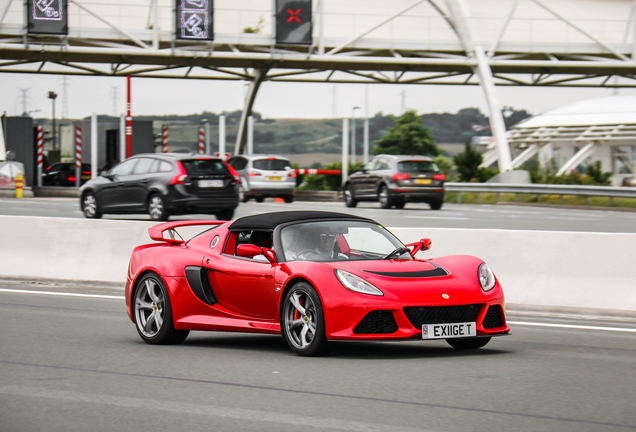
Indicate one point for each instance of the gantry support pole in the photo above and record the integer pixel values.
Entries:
(462, 21)
(241, 137)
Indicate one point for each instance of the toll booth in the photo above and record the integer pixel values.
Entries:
(21, 138)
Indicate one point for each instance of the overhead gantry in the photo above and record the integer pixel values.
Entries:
(417, 42)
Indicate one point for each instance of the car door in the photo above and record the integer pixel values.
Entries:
(376, 176)
(136, 185)
(112, 195)
(245, 285)
(359, 180)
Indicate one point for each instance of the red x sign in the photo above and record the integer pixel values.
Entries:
(293, 16)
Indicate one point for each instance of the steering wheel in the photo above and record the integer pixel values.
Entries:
(305, 251)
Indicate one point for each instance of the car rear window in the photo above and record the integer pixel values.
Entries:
(271, 164)
(418, 166)
(202, 167)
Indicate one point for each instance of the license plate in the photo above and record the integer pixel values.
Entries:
(86, 177)
(275, 178)
(210, 183)
(446, 331)
(422, 181)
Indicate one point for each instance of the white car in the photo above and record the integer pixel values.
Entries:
(264, 176)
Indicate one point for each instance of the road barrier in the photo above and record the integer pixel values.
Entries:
(540, 189)
(538, 269)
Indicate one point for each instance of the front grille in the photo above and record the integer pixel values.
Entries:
(419, 315)
(377, 322)
(494, 317)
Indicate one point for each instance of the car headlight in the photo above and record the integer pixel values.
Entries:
(357, 284)
(486, 277)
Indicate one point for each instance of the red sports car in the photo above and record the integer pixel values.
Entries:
(316, 277)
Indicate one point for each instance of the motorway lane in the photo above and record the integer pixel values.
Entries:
(77, 363)
(507, 217)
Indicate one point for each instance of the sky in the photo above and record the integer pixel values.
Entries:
(107, 95)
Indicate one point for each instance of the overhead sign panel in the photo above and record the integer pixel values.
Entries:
(293, 22)
(195, 19)
(47, 17)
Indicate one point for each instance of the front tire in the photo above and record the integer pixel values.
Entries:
(153, 313)
(242, 196)
(303, 322)
(157, 208)
(349, 198)
(90, 206)
(468, 343)
(383, 197)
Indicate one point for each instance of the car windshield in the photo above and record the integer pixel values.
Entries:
(271, 164)
(338, 241)
(417, 166)
(201, 167)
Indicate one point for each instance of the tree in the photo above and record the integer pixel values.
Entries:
(408, 137)
(468, 163)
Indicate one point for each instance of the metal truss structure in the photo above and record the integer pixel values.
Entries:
(420, 42)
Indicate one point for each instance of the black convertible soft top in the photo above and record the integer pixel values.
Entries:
(269, 221)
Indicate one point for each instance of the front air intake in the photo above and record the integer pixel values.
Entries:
(377, 322)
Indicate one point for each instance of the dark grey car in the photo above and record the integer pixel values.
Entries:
(394, 180)
(162, 184)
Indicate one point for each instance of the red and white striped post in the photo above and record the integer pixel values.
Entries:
(40, 153)
(128, 122)
(78, 156)
(201, 140)
(165, 139)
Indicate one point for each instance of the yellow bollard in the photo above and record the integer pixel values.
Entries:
(19, 183)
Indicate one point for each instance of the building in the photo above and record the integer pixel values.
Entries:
(573, 136)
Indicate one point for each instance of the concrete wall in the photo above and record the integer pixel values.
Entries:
(546, 269)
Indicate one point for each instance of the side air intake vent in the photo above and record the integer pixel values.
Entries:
(494, 318)
(200, 284)
(377, 322)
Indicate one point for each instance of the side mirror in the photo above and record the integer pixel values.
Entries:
(422, 245)
(250, 251)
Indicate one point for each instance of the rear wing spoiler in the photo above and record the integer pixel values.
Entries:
(156, 232)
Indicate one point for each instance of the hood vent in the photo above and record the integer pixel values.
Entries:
(436, 272)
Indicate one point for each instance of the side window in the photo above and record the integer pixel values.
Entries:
(238, 163)
(165, 166)
(124, 168)
(143, 166)
(257, 238)
(382, 165)
(371, 165)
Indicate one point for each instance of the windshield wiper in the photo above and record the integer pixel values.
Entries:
(396, 253)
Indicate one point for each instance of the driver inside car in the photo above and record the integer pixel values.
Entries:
(320, 245)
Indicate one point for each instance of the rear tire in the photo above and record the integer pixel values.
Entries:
(289, 199)
(436, 205)
(349, 198)
(157, 208)
(383, 197)
(153, 313)
(399, 205)
(260, 199)
(90, 206)
(303, 321)
(468, 343)
(226, 214)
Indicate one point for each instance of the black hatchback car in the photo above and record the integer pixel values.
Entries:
(163, 184)
(64, 174)
(394, 180)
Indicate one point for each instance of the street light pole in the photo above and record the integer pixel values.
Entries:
(353, 134)
(53, 96)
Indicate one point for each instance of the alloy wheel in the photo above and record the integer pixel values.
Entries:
(300, 319)
(149, 308)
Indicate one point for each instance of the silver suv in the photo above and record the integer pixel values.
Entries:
(395, 180)
(264, 176)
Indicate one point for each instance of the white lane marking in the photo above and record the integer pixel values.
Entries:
(235, 414)
(573, 326)
(435, 217)
(62, 294)
(535, 324)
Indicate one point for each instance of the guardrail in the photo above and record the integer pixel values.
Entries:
(540, 189)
